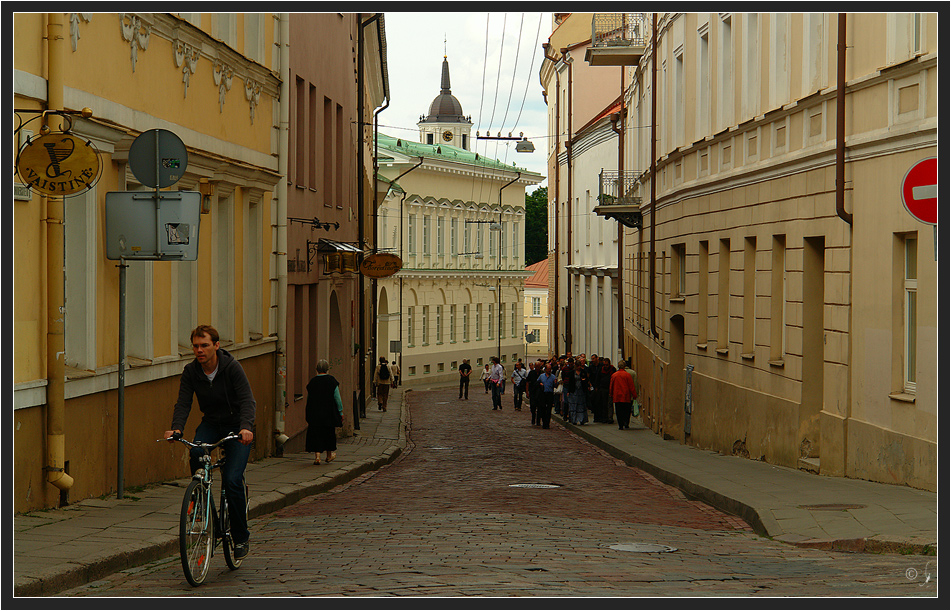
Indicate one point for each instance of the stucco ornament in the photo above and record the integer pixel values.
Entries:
(136, 33)
(186, 58)
(223, 77)
(74, 19)
(252, 91)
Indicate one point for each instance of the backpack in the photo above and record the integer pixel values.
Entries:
(384, 372)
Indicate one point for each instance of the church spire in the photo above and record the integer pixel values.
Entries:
(445, 76)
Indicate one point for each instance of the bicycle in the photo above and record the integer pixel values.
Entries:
(202, 527)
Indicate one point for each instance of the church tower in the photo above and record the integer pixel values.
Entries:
(445, 123)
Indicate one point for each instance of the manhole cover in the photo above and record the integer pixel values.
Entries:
(534, 486)
(643, 547)
(831, 507)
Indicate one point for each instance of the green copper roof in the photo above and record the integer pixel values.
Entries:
(447, 152)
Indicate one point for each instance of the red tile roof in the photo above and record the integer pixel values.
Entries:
(540, 277)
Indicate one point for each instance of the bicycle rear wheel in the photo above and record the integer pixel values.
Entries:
(196, 533)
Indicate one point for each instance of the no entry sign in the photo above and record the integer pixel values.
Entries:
(919, 191)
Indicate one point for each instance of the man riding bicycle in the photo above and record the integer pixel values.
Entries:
(227, 405)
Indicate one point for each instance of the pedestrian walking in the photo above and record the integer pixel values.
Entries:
(324, 413)
(623, 392)
(382, 379)
(578, 406)
(519, 378)
(396, 374)
(496, 378)
(485, 377)
(547, 382)
(531, 383)
(604, 390)
(465, 370)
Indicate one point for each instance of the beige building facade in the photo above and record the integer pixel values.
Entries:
(535, 309)
(780, 303)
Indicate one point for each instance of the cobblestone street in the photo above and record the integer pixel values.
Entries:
(485, 504)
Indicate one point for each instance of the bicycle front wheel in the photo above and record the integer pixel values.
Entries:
(196, 533)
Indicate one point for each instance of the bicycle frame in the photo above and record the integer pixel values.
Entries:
(207, 518)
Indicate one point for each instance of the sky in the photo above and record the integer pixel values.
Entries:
(494, 61)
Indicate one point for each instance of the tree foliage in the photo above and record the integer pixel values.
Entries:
(536, 226)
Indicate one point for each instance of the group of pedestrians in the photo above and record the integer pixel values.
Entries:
(569, 386)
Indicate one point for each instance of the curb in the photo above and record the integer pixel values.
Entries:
(156, 548)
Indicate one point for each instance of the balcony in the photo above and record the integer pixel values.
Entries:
(618, 39)
(616, 199)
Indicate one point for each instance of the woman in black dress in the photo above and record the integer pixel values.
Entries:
(324, 413)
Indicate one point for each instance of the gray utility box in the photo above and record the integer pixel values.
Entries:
(152, 226)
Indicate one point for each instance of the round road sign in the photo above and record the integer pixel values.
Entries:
(158, 158)
(919, 191)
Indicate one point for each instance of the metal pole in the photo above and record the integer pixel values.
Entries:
(121, 410)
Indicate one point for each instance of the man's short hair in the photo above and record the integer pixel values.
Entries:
(208, 330)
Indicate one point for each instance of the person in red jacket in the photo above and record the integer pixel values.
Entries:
(623, 392)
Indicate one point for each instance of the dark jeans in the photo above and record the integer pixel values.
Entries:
(534, 403)
(496, 396)
(463, 386)
(519, 391)
(232, 474)
(544, 410)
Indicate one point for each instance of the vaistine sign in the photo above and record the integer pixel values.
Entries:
(59, 164)
(381, 265)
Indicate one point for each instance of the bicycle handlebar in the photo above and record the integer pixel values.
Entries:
(203, 445)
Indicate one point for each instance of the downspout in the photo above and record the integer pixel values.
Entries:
(840, 126)
(651, 262)
(568, 208)
(553, 333)
(619, 130)
(280, 252)
(374, 316)
(56, 281)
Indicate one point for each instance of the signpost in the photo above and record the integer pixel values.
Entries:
(919, 194)
(157, 226)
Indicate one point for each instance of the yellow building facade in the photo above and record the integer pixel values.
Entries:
(213, 80)
(780, 303)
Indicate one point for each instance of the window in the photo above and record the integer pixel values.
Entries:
(749, 296)
(410, 312)
(703, 87)
(453, 237)
(465, 322)
(441, 235)
(536, 306)
(777, 306)
(439, 324)
(411, 234)
(478, 322)
(514, 320)
(678, 271)
(726, 72)
(910, 314)
(491, 321)
(723, 297)
(452, 324)
(427, 245)
(425, 333)
(703, 293)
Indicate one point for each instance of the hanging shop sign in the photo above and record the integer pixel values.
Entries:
(381, 265)
(59, 164)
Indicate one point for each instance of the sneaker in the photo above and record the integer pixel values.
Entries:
(241, 550)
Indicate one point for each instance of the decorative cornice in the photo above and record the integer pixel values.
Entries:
(252, 91)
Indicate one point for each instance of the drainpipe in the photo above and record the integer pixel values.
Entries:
(568, 208)
(651, 262)
(374, 315)
(553, 333)
(280, 387)
(56, 282)
(619, 130)
(840, 126)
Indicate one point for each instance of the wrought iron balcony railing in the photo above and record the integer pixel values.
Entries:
(618, 39)
(617, 199)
